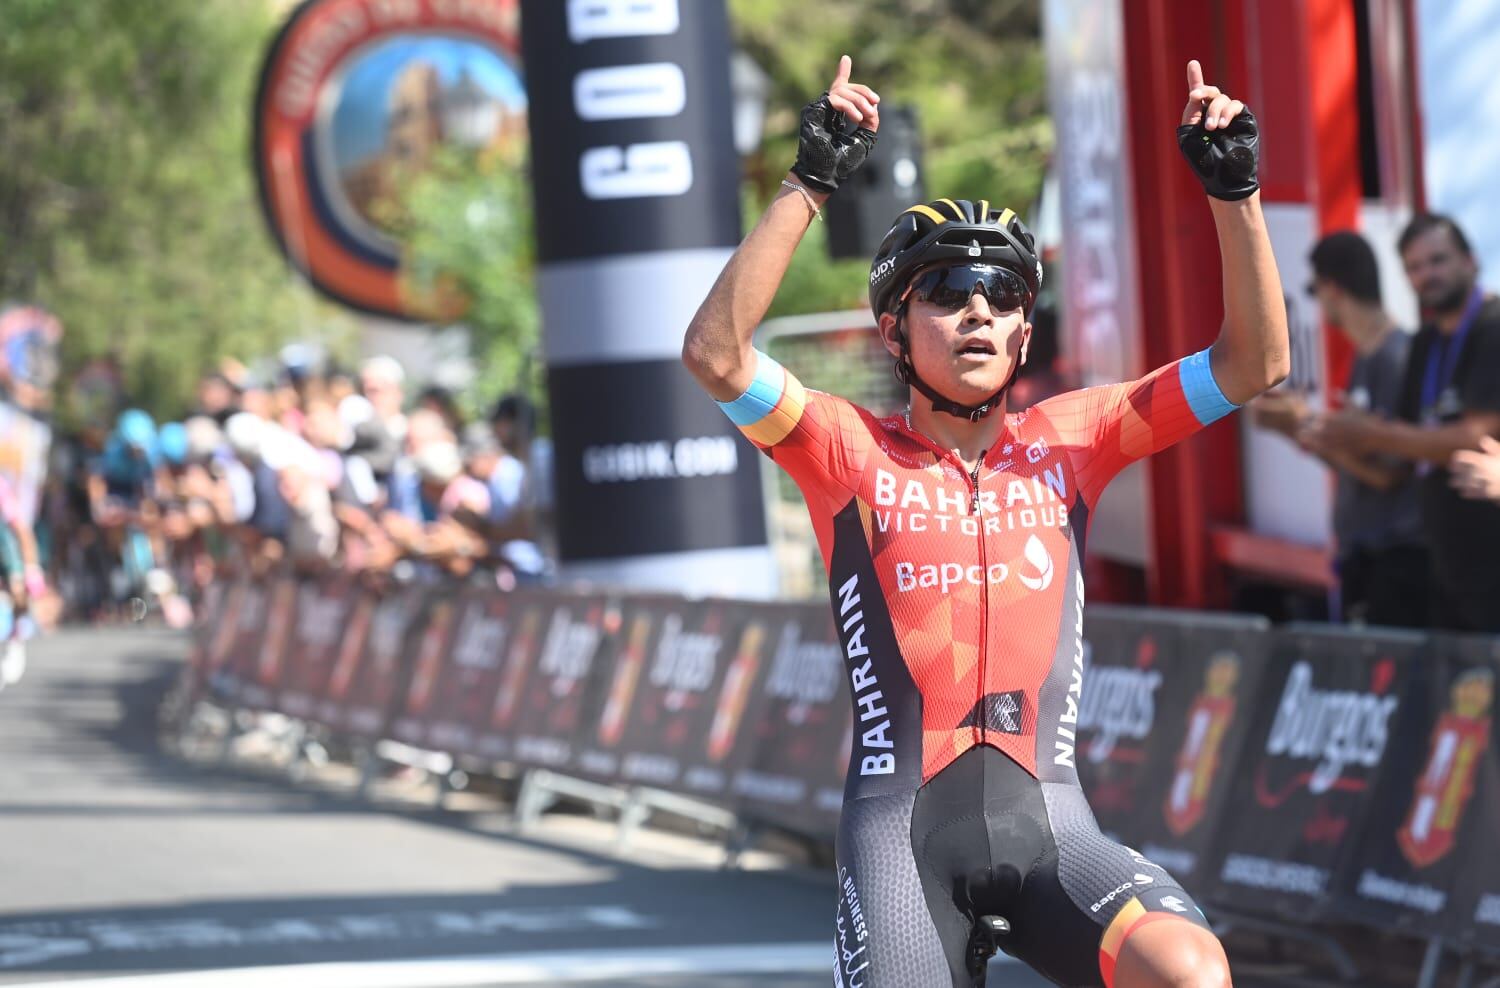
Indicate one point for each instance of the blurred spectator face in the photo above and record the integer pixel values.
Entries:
(1332, 301)
(424, 428)
(381, 379)
(258, 402)
(340, 386)
(512, 422)
(323, 427)
(215, 394)
(1441, 274)
(481, 462)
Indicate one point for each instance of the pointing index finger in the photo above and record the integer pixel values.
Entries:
(1194, 75)
(846, 65)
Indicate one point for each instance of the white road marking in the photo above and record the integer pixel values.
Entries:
(571, 967)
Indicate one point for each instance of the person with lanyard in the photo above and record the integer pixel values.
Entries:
(1380, 551)
(1450, 404)
(953, 538)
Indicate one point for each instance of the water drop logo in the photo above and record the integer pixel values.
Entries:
(1037, 556)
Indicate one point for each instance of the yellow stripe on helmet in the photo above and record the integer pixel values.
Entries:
(958, 214)
(984, 210)
(1006, 215)
(930, 213)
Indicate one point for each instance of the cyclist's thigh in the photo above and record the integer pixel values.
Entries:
(1081, 901)
(884, 936)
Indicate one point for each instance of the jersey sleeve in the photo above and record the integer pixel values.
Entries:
(1105, 429)
(814, 437)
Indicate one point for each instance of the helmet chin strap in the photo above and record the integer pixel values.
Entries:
(906, 373)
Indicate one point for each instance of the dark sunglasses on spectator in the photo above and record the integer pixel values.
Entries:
(950, 288)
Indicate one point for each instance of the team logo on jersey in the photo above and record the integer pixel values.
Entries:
(1446, 784)
(1005, 713)
(1037, 555)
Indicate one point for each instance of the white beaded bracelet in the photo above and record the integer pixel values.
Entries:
(805, 195)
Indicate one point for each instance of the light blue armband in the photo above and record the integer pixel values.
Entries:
(1202, 391)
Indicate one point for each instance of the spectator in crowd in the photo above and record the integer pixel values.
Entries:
(1450, 403)
(311, 475)
(440, 400)
(522, 503)
(381, 381)
(1382, 558)
(218, 397)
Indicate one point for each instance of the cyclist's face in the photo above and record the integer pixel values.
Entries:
(967, 354)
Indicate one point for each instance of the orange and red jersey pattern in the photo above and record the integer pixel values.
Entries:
(972, 578)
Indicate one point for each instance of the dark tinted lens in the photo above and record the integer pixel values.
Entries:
(950, 288)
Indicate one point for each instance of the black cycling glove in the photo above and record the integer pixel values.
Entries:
(1225, 160)
(828, 152)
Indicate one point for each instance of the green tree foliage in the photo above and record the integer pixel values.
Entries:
(466, 228)
(127, 201)
(973, 69)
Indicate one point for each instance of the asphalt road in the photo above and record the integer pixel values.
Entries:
(120, 860)
(124, 865)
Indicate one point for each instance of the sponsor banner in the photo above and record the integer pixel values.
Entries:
(630, 140)
(674, 464)
(546, 705)
(358, 99)
(495, 722)
(1164, 713)
(467, 681)
(1470, 712)
(369, 676)
(802, 733)
(429, 655)
(236, 648)
(1331, 705)
(677, 685)
(1427, 832)
(323, 608)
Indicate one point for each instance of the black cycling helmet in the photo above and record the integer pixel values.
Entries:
(952, 231)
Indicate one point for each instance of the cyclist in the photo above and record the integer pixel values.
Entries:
(22, 581)
(121, 489)
(952, 535)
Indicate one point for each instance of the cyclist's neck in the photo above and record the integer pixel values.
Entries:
(967, 440)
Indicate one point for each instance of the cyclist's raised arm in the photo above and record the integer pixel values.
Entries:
(1220, 138)
(717, 348)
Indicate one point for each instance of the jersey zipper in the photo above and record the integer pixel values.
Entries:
(984, 583)
(984, 601)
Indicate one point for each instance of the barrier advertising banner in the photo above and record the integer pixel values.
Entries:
(322, 609)
(464, 688)
(1166, 706)
(680, 677)
(1426, 833)
(430, 656)
(236, 649)
(1470, 805)
(1332, 704)
(803, 728)
(373, 666)
(545, 700)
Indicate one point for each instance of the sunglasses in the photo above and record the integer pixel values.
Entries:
(950, 288)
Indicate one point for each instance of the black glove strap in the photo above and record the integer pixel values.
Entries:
(1226, 160)
(828, 151)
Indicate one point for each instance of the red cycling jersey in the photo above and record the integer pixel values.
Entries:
(959, 593)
